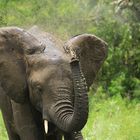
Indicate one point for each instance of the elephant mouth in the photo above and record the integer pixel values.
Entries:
(46, 126)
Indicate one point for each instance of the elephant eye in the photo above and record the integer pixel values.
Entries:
(37, 88)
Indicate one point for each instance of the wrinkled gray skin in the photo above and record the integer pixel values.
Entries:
(44, 79)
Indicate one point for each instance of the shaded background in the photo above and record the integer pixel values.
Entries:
(115, 94)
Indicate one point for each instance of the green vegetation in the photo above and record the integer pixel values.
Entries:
(3, 134)
(112, 118)
(115, 95)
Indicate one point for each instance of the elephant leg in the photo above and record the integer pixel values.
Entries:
(7, 114)
(74, 136)
(24, 122)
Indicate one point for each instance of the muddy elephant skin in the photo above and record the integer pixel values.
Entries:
(44, 83)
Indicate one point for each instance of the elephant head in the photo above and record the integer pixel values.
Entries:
(55, 78)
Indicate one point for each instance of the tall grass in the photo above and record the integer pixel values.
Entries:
(113, 119)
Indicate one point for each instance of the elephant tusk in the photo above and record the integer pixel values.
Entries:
(46, 126)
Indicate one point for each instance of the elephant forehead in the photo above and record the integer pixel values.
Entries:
(53, 53)
(51, 71)
(41, 61)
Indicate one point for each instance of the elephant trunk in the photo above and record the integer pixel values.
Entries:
(68, 117)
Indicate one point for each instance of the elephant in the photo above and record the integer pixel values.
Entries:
(44, 82)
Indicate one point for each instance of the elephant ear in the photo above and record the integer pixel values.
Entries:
(15, 44)
(91, 51)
